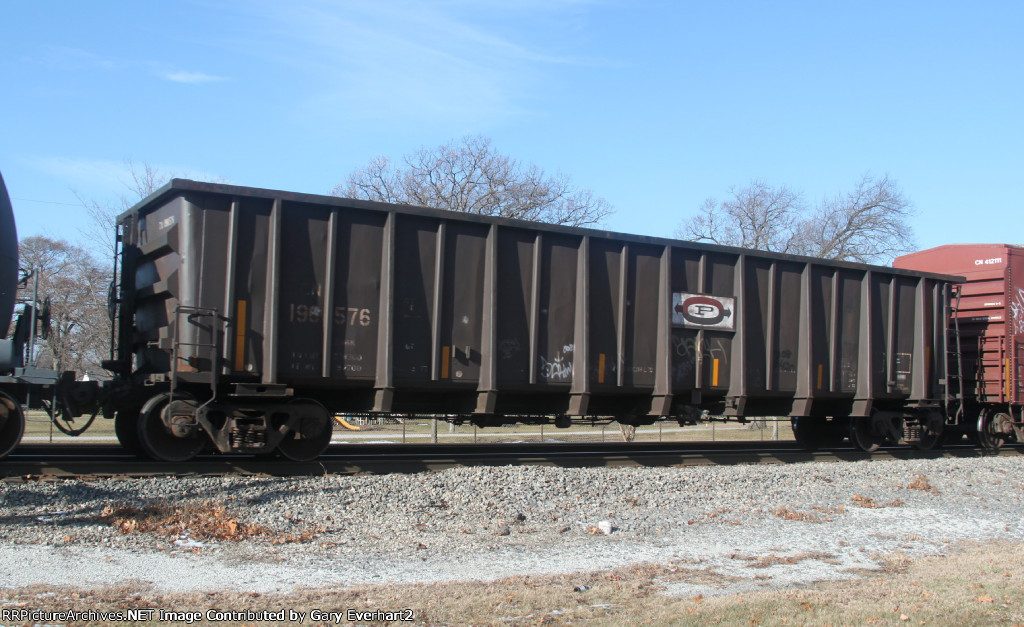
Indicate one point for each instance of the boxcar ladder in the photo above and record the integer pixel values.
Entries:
(957, 375)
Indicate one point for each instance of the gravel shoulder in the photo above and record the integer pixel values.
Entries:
(756, 527)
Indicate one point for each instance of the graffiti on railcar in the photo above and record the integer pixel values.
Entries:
(559, 367)
(686, 351)
(1017, 307)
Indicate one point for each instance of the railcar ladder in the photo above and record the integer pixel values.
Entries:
(193, 315)
(956, 354)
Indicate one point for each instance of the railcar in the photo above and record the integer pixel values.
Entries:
(247, 317)
(21, 383)
(986, 358)
(12, 422)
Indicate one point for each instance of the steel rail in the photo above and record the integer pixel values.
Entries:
(29, 463)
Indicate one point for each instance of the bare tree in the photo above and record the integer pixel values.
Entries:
(867, 224)
(145, 179)
(757, 216)
(76, 286)
(468, 175)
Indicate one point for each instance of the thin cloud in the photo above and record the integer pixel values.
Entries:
(192, 78)
(106, 176)
(92, 173)
(75, 59)
(418, 61)
(66, 58)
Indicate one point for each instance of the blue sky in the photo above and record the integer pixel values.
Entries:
(655, 106)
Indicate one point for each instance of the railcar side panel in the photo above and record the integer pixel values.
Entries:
(604, 311)
(301, 290)
(425, 309)
(462, 302)
(556, 337)
(247, 287)
(414, 300)
(354, 313)
(641, 317)
(516, 295)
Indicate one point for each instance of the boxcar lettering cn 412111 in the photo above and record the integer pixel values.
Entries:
(246, 319)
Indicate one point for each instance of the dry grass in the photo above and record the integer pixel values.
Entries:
(788, 514)
(201, 521)
(921, 483)
(867, 501)
(978, 586)
(767, 561)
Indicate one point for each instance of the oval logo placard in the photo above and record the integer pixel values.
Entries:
(703, 311)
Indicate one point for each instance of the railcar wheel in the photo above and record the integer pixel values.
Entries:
(861, 435)
(181, 442)
(311, 427)
(12, 424)
(994, 429)
(814, 433)
(932, 432)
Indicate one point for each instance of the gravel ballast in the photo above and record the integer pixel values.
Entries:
(759, 526)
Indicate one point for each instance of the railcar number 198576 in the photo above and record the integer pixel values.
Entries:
(342, 315)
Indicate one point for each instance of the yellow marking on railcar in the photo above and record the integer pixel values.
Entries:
(714, 373)
(446, 356)
(600, 368)
(1006, 378)
(240, 336)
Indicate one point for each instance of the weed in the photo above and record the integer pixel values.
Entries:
(788, 514)
(921, 483)
(202, 521)
(868, 502)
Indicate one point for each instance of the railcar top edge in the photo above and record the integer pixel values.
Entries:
(177, 185)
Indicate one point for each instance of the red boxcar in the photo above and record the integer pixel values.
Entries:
(989, 317)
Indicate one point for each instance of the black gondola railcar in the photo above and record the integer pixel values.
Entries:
(247, 317)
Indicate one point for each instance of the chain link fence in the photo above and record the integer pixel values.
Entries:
(417, 430)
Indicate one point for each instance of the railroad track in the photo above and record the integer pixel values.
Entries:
(49, 462)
